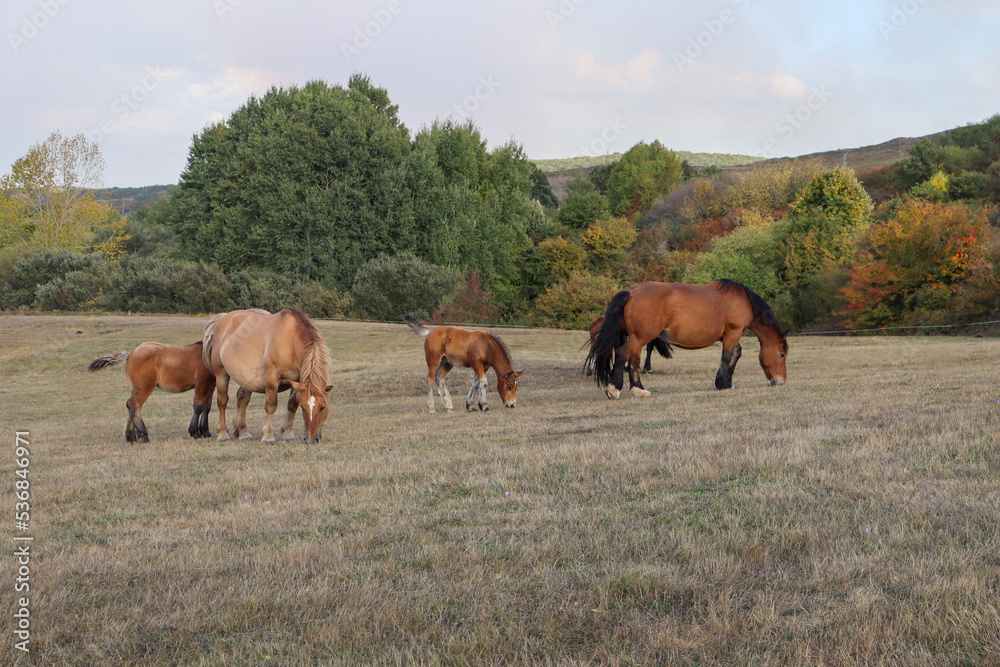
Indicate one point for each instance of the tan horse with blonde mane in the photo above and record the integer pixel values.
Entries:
(265, 353)
(446, 347)
(172, 368)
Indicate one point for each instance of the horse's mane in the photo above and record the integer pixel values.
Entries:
(504, 350)
(761, 310)
(315, 363)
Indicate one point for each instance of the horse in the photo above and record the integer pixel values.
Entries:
(267, 353)
(446, 347)
(689, 317)
(657, 344)
(172, 368)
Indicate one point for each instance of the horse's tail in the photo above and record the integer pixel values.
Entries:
(608, 339)
(208, 338)
(663, 347)
(416, 326)
(107, 360)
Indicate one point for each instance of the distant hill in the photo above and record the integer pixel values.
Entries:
(866, 157)
(126, 200)
(697, 159)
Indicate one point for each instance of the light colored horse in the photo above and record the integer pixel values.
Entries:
(172, 368)
(447, 347)
(264, 353)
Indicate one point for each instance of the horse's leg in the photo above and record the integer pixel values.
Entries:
(240, 429)
(648, 366)
(634, 359)
(222, 400)
(270, 405)
(198, 428)
(483, 384)
(614, 389)
(285, 433)
(731, 352)
(442, 386)
(135, 428)
(431, 381)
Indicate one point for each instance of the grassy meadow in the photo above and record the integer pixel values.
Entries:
(850, 517)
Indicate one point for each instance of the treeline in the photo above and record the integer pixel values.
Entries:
(320, 198)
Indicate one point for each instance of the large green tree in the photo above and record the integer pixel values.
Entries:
(644, 174)
(302, 181)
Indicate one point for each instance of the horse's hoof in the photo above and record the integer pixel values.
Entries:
(470, 408)
(612, 392)
(484, 408)
(223, 437)
(267, 441)
(246, 436)
(144, 438)
(639, 393)
(287, 436)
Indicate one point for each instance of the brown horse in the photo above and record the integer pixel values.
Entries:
(690, 317)
(657, 344)
(447, 347)
(172, 368)
(266, 353)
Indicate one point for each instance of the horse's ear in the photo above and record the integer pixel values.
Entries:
(297, 386)
(518, 374)
(328, 389)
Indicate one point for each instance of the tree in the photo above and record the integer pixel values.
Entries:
(583, 206)
(48, 201)
(927, 263)
(541, 189)
(644, 174)
(303, 181)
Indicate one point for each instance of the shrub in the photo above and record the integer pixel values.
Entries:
(158, 285)
(575, 302)
(388, 287)
(470, 302)
(32, 271)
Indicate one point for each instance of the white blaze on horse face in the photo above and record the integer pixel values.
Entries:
(312, 404)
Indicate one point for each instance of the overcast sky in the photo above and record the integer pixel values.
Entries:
(561, 77)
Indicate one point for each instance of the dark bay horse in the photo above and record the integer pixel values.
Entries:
(657, 344)
(447, 347)
(172, 368)
(689, 317)
(265, 353)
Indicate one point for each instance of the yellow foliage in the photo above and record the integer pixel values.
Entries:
(47, 202)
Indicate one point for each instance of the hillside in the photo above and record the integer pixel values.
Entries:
(697, 159)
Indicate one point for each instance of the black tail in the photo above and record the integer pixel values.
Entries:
(661, 346)
(608, 339)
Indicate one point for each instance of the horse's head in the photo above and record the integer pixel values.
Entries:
(314, 410)
(772, 360)
(507, 387)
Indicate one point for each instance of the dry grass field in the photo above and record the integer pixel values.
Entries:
(850, 517)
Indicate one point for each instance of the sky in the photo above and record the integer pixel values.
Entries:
(563, 78)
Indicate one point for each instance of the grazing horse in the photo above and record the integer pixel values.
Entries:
(172, 368)
(266, 353)
(447, 347)
(657, 344)
(690, 317)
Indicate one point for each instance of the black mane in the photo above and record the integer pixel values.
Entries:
(761, 311)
